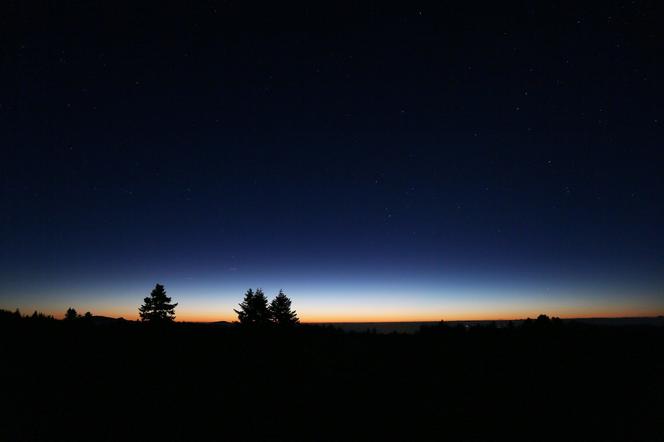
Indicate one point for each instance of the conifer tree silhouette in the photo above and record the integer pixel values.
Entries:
(254, 310)
(281, 313)
(157, 307)
(71, 314)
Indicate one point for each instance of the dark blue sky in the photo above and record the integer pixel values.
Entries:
(419, 162)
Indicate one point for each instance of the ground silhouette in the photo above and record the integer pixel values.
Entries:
(121, 380)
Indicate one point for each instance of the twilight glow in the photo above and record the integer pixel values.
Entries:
(343, 296)
(476, 177)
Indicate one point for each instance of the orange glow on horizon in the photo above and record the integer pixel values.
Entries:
(390, 316)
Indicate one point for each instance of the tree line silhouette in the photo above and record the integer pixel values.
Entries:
(254, 311)
(71, 314)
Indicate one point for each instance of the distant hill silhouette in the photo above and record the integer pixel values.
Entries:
(105, 320)
(223, 323)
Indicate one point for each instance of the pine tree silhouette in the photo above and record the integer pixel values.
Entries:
(245, 307)
(71, 314)
(157, 307)
(281, 313)
(254, 310)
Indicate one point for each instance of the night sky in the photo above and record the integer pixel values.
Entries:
(377, 163)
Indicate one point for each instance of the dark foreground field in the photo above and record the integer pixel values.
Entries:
(120, 381)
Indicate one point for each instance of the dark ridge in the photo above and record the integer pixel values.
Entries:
(119, 380)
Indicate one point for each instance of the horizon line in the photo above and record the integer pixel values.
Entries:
(655, 316)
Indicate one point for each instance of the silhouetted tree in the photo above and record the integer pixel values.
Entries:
(254, 310)
(280, 311)
(87, 316)
(157, 307)
(71, 314)
(40, 316)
